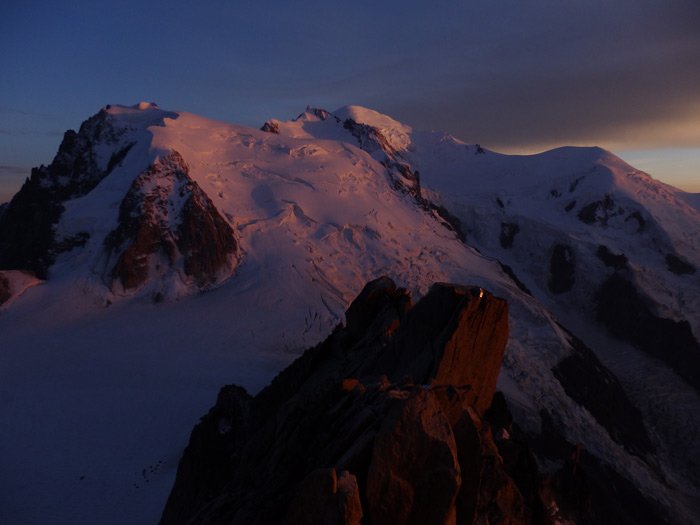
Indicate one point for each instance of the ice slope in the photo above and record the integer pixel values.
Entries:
(549, 190)
(100, 389)
(586, 197)
(519, 208)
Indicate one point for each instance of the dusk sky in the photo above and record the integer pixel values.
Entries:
(511, 75)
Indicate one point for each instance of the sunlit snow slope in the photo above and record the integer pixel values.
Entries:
(183, 253)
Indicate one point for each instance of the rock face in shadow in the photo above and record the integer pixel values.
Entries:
(678, 266)
(626, 314)
(424, 489)
(167, 225)
(594, 387)
(27, 222)
(583, 489)
(382, 423)
(326, 497)
(508, 232)
(562, 269)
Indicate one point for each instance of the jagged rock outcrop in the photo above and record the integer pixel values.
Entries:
(168, 226)
(393, 419)
(271, 126)
(27, 224)
(424, 489)
(373, 141)
(382, 420)
(319, 113)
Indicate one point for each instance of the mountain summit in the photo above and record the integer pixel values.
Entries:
(162, 254)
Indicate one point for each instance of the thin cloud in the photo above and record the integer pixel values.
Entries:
(14, 170)
(30, 132)
(27, 113)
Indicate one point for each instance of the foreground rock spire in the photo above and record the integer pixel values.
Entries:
(380, 423)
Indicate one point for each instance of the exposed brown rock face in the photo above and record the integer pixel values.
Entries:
(393, 419)
(325, 497)
(166, 222)
(379, 423)
(421, 488)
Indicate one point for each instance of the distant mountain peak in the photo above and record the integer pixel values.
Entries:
(288, 223)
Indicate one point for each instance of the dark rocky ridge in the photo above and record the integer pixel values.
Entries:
(166, 215)
(27, 223)
(393, 419)
(415, 377)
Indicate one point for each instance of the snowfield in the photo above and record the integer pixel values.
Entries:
(100, 387)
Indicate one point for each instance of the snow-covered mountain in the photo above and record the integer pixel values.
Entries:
(110, 350)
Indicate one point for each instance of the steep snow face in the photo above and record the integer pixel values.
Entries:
(576, 225)
(398, 135)
(313, 221)
(529, 210)
(325, 208)
(115, 137)
(586, 201)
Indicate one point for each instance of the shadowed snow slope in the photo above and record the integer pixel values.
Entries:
(105, 366)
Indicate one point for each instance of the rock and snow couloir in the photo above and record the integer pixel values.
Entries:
(286, 224)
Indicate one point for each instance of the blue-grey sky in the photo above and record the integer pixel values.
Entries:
(514, 75)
